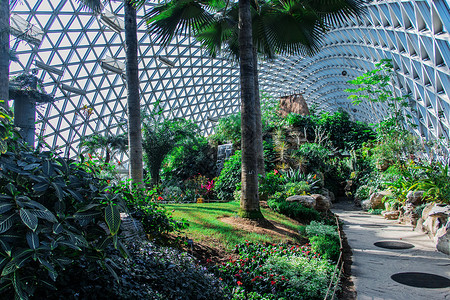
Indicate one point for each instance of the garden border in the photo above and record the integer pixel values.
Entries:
(339, 262)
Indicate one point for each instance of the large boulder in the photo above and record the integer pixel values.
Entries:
(442, 238)
(376, 200)
(415, 198)
(306, 201)
(409, 215)
(435, 216)
(323, 203)
(391, 215)
(329, 194)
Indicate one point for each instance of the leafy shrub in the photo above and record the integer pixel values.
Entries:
(272, 183)
(155, 219)
(52, 213)
(292, 209)
(326, 245)
(189, 159)
(317, 228)
(228, 130)
(150, 272)
(296, 188)
(276, 271)
(316, 157)
(229, 177)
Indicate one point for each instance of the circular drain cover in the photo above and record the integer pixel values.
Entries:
(394, 245)
(372, 225)
(421, 280)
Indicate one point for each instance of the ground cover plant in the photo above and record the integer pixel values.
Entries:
(275, 271)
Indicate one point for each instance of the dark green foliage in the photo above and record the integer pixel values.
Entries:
(228, 130)
(272, 183)
(150, 272)
(292, 209)
(342, 133)
(326, 245)
(189, 159)
(229, 177)
(316, 157)
(160, 138)
(51, 213)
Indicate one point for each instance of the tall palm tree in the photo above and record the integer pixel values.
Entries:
(264, 28)
(132, 78)
(133, 101)
(4, 52)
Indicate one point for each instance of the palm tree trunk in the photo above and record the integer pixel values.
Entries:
(259, 137)
(4, 52)
(134, 107)
(249, 197)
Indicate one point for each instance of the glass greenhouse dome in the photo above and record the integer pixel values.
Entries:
(80, 59)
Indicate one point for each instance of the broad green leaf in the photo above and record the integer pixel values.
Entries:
(112, 218)
(6, 222)
(103, 243)
(64, 165)
(76, 195)
(9, 268)
(47, 168)
(29, 219)
(18, 287)
(59, 191)
(4, 207)
(32, 240)
(30, 167)
(40, 187)
(12, 190)
(69, 244)
(44, 214)
(88, 207)
(57, 228)
(112, 272)
(5, 247)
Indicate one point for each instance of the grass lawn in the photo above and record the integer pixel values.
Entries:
(207, 226)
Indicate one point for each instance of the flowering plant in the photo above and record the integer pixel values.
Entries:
(265, 270)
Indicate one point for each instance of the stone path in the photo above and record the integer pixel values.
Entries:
(373, 266)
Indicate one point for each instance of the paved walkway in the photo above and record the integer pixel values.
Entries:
(373, 266)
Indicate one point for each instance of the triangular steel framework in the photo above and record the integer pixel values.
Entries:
(81, 56)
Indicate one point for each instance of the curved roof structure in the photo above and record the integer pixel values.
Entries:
(81, 59)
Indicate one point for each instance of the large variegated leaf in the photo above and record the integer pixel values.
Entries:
(112, 218)
(44, 214)
(9, 268)
(57, 228)
(47, 168)
(32, 240)
(40, 187)
(29, 219)
(6, 222)
(4, 207)
(59, 191)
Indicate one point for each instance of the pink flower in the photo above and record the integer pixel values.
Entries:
(239, 283)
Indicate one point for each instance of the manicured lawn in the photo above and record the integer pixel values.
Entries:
(206, 226)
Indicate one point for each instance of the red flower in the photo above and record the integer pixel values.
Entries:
(239, 283)
(160, 198)
(272, 282)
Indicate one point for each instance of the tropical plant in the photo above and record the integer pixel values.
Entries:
(160, 138)
(111, 145)
(229, 177)
(189, 158)
(306, 22)
(52, 212)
